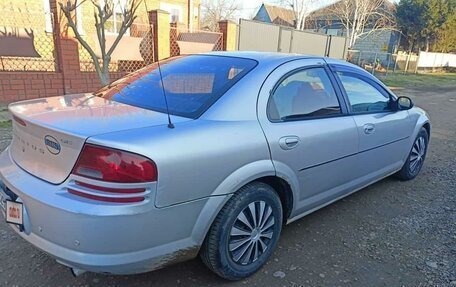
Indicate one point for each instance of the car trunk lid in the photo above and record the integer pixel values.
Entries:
(49, 133)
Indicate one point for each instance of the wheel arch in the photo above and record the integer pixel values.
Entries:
(219, 199)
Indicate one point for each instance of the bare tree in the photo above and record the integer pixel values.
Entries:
(363, 17)
(214, 11)
(301, 9)
(102, 13)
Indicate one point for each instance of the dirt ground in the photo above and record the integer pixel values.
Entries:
(390, 234)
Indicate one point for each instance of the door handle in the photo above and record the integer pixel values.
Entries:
(288, 142)
(369, 128)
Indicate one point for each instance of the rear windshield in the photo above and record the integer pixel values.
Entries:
(192, 84)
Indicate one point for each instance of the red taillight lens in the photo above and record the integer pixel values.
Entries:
(113, 165)
(19, 121)
(106, 199)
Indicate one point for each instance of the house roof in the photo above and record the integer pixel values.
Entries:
(327, 12)
(280, 15)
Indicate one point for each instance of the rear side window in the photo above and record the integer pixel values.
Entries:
(192, 84)
(363, 97)
(304, 94)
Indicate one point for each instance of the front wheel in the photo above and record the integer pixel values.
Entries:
(245, 232)
(415, 160)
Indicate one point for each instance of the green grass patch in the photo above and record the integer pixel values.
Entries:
(5, 124)
(419, 80)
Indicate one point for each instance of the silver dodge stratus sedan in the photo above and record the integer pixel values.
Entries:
(208, 154)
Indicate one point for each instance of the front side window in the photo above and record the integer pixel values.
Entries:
(363, 96)
(191, 83)
(304, 94)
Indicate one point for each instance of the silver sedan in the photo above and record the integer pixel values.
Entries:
(207, 154)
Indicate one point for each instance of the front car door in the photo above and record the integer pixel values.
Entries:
(383, 130)
(312, 139)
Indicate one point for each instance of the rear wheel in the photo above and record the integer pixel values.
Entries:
(245, 232)
(415, 160)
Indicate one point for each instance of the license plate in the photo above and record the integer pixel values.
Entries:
(14, 212)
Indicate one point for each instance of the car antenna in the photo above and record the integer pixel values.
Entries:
(170, 124)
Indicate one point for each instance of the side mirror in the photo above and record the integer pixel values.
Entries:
(404, 103)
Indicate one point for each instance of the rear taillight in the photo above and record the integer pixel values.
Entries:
(104, 166)
(113, 165)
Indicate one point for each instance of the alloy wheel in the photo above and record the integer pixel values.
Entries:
(417, 154)
(251, 233)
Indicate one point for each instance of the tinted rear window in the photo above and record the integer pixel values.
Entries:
(192, 84)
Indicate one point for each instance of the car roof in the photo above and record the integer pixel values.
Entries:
(263, 57)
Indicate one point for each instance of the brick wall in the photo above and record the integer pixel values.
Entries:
(17, 86)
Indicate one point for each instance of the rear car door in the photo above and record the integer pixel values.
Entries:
(312, 139)
(383, 130)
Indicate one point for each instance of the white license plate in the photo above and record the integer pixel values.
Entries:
(14, 212)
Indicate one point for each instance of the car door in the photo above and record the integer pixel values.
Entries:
(383, 130)
(312, 139)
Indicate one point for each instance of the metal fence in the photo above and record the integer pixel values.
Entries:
(26, 39)
(384, 63)
(134, 51)
(186, 41)
(259, 36)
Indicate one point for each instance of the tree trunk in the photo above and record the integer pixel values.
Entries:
(103, 74)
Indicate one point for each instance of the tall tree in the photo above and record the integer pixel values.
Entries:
(436, 13)
(103, 11)
(421, 21)
(446, 36)
(301, 9)
(411, 21)
(364, 17)
(213, 11)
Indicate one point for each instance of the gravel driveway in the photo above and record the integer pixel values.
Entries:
(389, 234)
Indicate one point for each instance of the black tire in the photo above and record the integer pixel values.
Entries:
(410, 169)
(216, 253)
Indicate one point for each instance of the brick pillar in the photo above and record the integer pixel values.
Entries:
(228, 29)
(66, 51)
(159, 19)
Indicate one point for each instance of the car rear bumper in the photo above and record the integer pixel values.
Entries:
(106, 238)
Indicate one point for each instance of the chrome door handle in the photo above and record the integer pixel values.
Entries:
(288, 142)
(369, 128)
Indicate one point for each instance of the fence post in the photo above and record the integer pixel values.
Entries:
(228, 30)
(291, 41)
(159, 19)
(388, 65)
(407, 63)
(67, 52)
(416, 63)
(435, 60)
(375, 64)
(395, 63)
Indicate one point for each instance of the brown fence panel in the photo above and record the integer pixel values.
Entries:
(286, 36)
(134, 51)
(185, 41)
(309, 43)
(337, 48)
(257, 36)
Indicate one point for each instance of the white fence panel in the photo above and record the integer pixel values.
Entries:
(431, 60)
